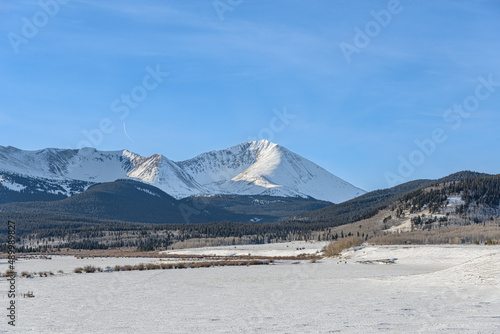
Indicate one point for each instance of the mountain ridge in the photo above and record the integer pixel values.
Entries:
(369, 204)
(252, 168)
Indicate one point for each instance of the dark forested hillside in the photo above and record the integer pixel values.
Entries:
(132, 201)
(477, 190)
(122, 200)
(269, 208)
(360, 207)
(126, 213)
(370, 203)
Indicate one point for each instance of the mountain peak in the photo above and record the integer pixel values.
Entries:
(259, 167)
(86, 151)
(263, 167)
(262, 144)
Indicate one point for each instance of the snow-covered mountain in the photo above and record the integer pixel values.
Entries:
(253, 168)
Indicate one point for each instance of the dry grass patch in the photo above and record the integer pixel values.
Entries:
(334, 248)
(179, 265)
(458, 235)
(9, 273)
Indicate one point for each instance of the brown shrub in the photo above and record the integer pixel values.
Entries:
(9, 273)
(152, 266)
(334, 248)
(89, 269)
(166, 266)
(139, 266)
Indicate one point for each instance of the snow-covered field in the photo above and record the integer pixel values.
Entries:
(293, 248)
(429, 289)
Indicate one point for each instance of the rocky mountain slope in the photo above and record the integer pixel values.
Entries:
(253, 168)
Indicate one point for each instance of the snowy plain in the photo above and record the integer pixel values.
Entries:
(429, 289)
(293, 248)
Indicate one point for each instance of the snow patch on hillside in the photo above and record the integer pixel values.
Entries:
(147, 191)
(12, 185)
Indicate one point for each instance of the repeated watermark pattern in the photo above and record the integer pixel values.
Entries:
(31, 26)
(223, 6)
(277, 123)
(454, 118)
(363, 37)
(11, 293)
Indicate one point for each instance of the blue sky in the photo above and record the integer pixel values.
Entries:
(233, 66)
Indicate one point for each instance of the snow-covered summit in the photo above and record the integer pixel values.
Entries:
(251, 168)
(263, 167)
